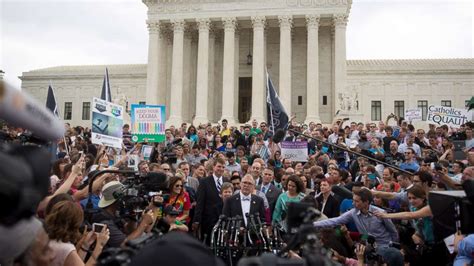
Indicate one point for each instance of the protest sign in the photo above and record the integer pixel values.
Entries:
(413, 114)
(146, 151)
(148, 123)
(107, 122)
(441, 115)
(295, 151)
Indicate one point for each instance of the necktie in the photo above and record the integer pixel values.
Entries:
(245, 198)
(219, 185)
(264, 189)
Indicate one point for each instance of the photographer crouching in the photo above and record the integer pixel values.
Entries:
(121, 230)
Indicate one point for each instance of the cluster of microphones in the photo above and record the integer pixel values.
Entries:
(231, 239)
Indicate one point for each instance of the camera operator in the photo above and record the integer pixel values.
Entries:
(110, 204)
(382, 230)
(169, 222)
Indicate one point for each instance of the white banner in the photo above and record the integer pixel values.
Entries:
(107, 122)
(453, 117)
(296, 151)
(413, 114)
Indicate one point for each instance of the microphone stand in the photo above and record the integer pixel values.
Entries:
(262, 236)
(352, 152)
(213, 232)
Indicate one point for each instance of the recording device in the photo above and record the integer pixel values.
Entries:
(457, 204)
(97, 227)
(21, 110)
(24, 181)
(370, 254)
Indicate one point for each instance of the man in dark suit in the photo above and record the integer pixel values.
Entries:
(244, 202)
(209, 203)
(270, 190)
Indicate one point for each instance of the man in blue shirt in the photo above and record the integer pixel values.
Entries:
(410, 161)
(383, 230)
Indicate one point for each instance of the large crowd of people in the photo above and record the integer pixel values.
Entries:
(220, 169)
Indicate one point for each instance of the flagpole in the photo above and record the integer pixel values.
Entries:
(59, 116)
(271, 104)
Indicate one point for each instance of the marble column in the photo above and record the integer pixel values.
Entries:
(312, 70)
(176, 108)
(202, 86)
(154, 52)
(258, 69)
(285, 62)
(228, 76)
(237, 71)
(212, 90)
(340, 68)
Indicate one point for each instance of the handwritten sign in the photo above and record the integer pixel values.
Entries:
(296, 151)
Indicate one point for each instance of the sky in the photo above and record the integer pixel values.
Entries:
(43, 33)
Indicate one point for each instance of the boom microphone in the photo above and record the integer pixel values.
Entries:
(21, 110)
(279, 135)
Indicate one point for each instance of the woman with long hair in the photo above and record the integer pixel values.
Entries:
(218, 145)
(192, 134)
(431, 251)
(295, 193)
(179, 198)
(62, 224)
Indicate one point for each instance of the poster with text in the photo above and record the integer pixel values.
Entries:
(450, 116)
(296, 151)
(107, 122)
(148, 123)
(413, 114)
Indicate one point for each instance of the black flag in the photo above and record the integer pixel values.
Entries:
(51, 103)
(105, 95)
(276, 114)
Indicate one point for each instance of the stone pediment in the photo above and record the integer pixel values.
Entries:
(191, 9)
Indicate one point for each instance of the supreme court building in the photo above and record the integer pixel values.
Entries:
(208, 59)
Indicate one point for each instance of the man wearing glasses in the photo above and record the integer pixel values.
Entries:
(410, 163)
(245, 202)
(410, 143)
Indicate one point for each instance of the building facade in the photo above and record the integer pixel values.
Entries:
(208, 59)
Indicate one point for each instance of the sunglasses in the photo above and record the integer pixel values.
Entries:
(178, 186)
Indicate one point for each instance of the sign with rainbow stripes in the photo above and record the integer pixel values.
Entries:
(148, 123)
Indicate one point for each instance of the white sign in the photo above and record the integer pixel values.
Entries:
(413, 114)
(107, 122)
(453, 117)
(296, 151)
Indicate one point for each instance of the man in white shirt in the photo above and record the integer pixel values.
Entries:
(244, 203)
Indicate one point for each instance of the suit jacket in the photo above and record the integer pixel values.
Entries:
(331, 209)
(209, 204)
(272, 195)
(233, 207)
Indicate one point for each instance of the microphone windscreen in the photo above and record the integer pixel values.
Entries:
(342, 192)
(279, 135)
